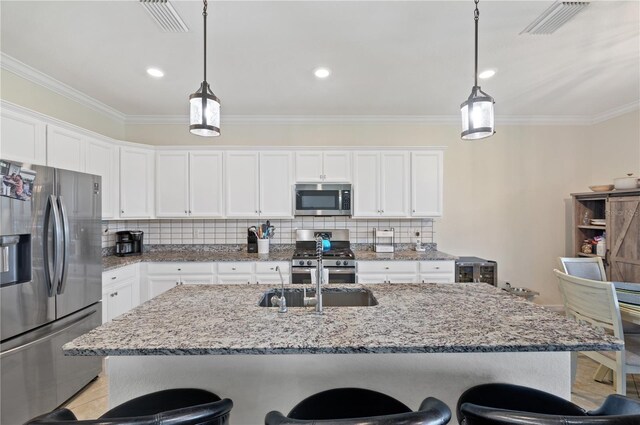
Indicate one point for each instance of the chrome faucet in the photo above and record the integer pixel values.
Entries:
(280, 302)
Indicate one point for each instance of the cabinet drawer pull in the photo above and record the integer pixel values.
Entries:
(179, 270)
(386, 268)
(233, 268)
(113, 278)
(437, 268)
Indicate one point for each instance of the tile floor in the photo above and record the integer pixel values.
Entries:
(93, 400)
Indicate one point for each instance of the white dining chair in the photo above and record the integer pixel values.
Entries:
(586, 268)
(596, 303)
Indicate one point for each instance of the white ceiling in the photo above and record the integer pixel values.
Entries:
(388, 58)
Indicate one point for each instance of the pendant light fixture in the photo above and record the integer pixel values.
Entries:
(477, 110)
(204, 105)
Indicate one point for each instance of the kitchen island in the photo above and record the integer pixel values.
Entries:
(419, 340)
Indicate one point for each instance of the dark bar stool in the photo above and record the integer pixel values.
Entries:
(184, 406)
(507, 404)
(351, 406)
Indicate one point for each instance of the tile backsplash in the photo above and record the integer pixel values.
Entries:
(160, 232)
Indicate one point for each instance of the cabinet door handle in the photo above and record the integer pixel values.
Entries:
(256, 211)
(179, 270)
(382, 211)
(414, 210)
(189, 211)
(122, 212)
(437, 268)
(233, 268)
(113, 278)
(185, 211)
(386, 268)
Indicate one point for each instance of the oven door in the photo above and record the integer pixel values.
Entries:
(302, 275)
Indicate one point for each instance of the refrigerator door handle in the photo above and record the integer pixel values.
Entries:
(57, 244)
(64, 262)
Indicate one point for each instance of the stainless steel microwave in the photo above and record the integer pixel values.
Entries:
(322, 199)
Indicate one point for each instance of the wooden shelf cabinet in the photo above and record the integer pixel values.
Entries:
(621, 211)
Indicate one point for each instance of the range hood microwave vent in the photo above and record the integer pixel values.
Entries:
(558, 14)
(164, 15)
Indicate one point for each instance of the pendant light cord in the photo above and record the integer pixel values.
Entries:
(204, 17)
(476, 15)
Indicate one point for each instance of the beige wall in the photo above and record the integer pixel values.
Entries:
(506, 198)
(25, 93)
(615, 148)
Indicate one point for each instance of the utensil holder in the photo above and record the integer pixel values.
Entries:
(263, 246)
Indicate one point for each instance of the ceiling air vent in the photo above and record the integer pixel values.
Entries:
(165, 15)
(558, 14)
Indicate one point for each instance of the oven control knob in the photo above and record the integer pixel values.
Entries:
(301, 262)
(345, 263)
(308, 262)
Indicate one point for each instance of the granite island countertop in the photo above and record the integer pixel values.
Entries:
(410, 318)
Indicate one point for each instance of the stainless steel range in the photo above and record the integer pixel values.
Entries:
(339, 259)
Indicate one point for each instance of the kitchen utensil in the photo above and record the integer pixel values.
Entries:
(602, 188)
(629, 182)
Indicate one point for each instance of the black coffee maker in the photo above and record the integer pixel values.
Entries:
(129, 242)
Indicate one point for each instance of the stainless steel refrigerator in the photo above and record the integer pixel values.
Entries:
(50, 285)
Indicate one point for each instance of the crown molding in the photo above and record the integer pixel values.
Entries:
(616, 112)
(27, 72)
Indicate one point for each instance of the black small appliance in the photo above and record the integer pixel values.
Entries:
(252, 241)
(129, 242)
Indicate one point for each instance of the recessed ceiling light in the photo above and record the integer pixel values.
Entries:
(155, 72)
(322, 72)
(488, 73)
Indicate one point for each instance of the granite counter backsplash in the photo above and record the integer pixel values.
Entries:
(409, 318)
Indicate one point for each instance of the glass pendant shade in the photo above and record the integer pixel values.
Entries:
(205, 112)
(477, 115)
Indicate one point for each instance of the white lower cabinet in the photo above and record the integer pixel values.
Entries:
(387, 272)
(163, 276)
(248, 272)
(437, 271)
(267, 274)
(120, 291)
(370, 272)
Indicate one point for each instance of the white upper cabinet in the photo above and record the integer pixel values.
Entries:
(206, 184)
(426, 183)
(172, 184)
(381, 184)
(366, 176)
(323, 166)
(136, 182)
(394, 184)
(23, 138)
(242, 183)
(101, 158)
(188, 184)
(259, 184)
(276, 184)
(65, 148)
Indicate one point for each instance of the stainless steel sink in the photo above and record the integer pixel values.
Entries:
(331, 297)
